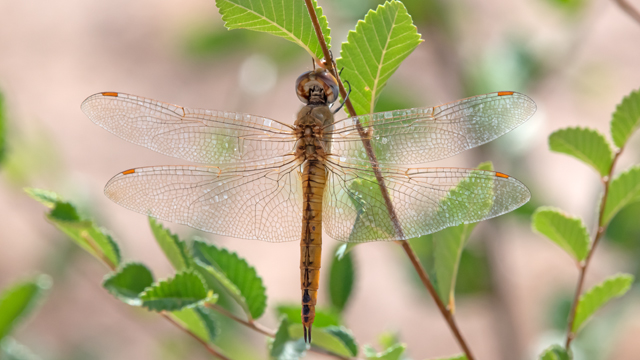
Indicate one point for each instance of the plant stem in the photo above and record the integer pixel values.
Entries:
(383, 188)
(209, 348)
(629, 9)
(606, 181)
(248, 323)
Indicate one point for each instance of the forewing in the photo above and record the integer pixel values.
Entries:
(251, 202)
(425, 200)
(203, 136)
(420, 135)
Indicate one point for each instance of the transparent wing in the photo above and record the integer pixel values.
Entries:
(421, 135)
(252, 202)
(203, 136)
(425, 200)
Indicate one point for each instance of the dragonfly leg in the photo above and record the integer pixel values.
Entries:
(345, 99)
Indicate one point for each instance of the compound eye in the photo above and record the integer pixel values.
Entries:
(317, 86)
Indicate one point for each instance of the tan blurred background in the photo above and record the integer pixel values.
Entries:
(576, 59)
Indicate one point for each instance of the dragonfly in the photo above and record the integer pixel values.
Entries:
(266, 180)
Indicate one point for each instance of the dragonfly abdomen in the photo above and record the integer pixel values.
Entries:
(313, 182)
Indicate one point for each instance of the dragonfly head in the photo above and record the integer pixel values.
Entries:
(317, 87)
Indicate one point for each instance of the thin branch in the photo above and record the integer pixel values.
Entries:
(250, 324)
(383, 188)
(606, 181)
(207, 346)
(629, 9)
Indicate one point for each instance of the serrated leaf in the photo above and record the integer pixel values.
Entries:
(587, 145)
(129, 282)
(555, 352)
(374, 51)
(19, 300)
(331, 339)
(626, 119)
(288, 19)
(198, 320)
(623, 190)
(324, 317)
(567, 232)
(345, 336)
(236, 275)
(174, 249)
(185, 289)
(283, 347)
(341, 278)
(447, 246)
(45, 197)
(599, 295)
(393, 353)
(85, 233)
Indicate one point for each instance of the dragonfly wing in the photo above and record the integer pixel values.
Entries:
(414, 136)
(250, 202)
(425, 200)
(203, 136)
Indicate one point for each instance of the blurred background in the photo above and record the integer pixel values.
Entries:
(575, 58)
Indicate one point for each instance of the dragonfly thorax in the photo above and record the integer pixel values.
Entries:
(309, 129)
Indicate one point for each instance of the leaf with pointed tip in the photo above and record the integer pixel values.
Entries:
(374, 51)
(448, 245)
(555, 352)
(345, 336)
(337, 340)
(19, 300)
(129, 282)
(288, 19)
(93, 239)
(185, 289)
(626, 119)
(199, 320)
(393, 353)
(283, 347)
(239, 278)
(567, 232)
(599, 295)
(174, 249)
(324, 317)
(341, 278)
(623, 190)
(46, 197)
(587, 145)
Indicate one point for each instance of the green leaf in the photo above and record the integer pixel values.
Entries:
(599, 295)
(12, 350)
(288, 19)
(19, 300)
(623, 190)
(555, 352)
(129, 282)
(344, 249)
(345, 336)
(46, 197)
(448, 245)
(3, 130)
(459, 357)
(239, 278)
(567, 232)
(586, 145)
(85, 233)
(198, 320)
(626, 119)
(175, 249)
(283, 347)
(337, 340)
(324, 318)
(341, 278)
(185, 289)
(393, 353)
(374, 51)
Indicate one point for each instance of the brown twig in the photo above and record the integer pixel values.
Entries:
(206, 345)
(383, 188)
(583, 267)
(629, 9)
